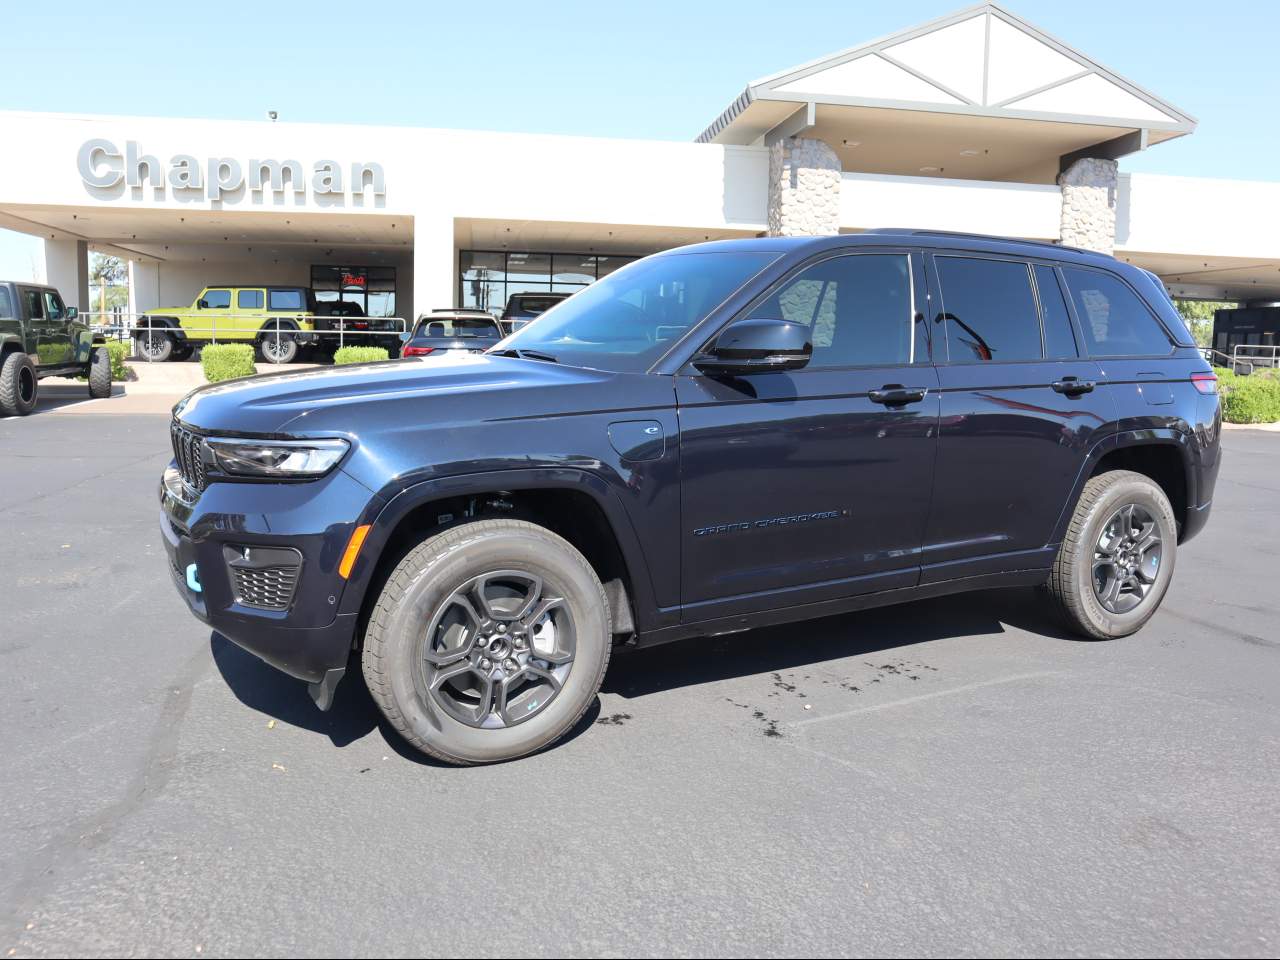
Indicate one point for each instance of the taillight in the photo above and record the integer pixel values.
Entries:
(1206, 383)
(411, 351)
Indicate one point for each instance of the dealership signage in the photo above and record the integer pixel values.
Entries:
(104, 165)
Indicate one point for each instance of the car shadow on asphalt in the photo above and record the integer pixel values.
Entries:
(353, 714)
(638, 673)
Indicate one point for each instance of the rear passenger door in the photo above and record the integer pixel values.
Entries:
(1019, 410)
(250, 309)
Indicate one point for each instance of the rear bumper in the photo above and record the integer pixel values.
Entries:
(1195, 521)
(309, 638)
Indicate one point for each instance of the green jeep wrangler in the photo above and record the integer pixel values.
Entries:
(40, 337)
(278, 319)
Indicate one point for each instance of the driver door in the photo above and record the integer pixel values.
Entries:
(814, 484)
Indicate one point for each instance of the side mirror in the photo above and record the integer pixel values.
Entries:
(406, 336)
(757, 346)
(72, 313)
(202, 304)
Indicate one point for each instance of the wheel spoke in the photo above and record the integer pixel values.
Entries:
(497, 651)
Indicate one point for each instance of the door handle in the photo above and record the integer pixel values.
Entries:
(896, 395)
(1073, 386)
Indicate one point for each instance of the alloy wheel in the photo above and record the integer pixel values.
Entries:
(498, 650)
(1126, 558)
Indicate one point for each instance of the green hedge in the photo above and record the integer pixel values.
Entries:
(1251, 399)
(118, 350)
(226, 361)
(360, 355)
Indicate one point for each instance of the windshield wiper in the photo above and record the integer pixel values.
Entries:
(526, 355)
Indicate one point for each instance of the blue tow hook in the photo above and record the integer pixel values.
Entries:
(193, 578)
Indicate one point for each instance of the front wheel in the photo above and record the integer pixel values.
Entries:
(489, 642)
(1116, 561)
(278, 347)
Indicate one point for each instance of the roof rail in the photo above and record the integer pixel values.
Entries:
(964, 235)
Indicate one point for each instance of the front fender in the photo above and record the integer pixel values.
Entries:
(403, 503)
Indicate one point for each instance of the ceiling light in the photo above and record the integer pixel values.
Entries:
(970, 153)
(852, 143)
(928, 169)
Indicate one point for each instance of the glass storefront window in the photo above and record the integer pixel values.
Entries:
(372, 288)
(488, 278)
(572, 268)
(529, 267)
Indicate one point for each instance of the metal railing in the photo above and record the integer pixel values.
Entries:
(1245, 357)
(240, 328)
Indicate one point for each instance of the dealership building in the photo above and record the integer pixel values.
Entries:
(974, 122)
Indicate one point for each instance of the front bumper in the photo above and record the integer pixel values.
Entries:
(310, 637)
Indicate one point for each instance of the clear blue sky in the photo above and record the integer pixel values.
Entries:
(656, 69)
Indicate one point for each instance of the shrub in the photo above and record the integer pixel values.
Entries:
(226, 361)
(118, 350)
(360, 355)
(1251, 400)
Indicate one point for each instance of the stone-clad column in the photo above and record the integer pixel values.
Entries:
(1089, 190)
(804, 188)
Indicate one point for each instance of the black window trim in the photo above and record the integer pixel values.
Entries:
(918, 286)
(1077, 336)
(1084, 342)
(935, 289)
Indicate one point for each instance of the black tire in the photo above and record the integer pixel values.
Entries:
(282, 348)
(423, 583)
(19, 385)
(1085, 572)
(154, 346)
(100, 373)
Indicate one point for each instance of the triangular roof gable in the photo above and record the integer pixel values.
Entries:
(983, 61)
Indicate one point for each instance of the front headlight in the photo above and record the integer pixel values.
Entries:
(276, 458)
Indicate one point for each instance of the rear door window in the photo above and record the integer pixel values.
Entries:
(285, 300)
(249, 299)
(1059, 339)
(35, 305)
(1115, 322)
(6, 303)
(989, 309)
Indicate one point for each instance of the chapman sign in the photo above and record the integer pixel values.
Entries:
(103, 165)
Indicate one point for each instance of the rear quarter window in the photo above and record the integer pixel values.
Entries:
(1114, 320)
(6, 303)
(285, 300)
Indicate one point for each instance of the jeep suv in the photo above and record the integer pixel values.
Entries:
(710, 439)
(278, 319)
(40, 337)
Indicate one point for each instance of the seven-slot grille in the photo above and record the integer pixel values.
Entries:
(270, 588)
(187, 451)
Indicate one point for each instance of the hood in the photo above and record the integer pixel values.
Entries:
(448, 390)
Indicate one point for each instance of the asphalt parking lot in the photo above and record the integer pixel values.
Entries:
(956, 777)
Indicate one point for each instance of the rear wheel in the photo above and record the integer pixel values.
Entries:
(278, 347)
(489, 642)
(100, 374)
(19, 385)
(155, 346)
(1116, 561)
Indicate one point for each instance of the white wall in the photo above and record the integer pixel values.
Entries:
(1198, 216)
(66, 264)
(1028, 210)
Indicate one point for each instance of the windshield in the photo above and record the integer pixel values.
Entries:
(630, 318)
(457, 327)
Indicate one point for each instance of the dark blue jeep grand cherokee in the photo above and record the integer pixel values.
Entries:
(710, 439)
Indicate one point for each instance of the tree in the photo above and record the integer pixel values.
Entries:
(111, 276)
(1199, 316)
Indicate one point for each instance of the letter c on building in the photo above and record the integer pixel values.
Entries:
(95, 152)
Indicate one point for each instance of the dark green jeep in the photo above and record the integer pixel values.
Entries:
(40, 337)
